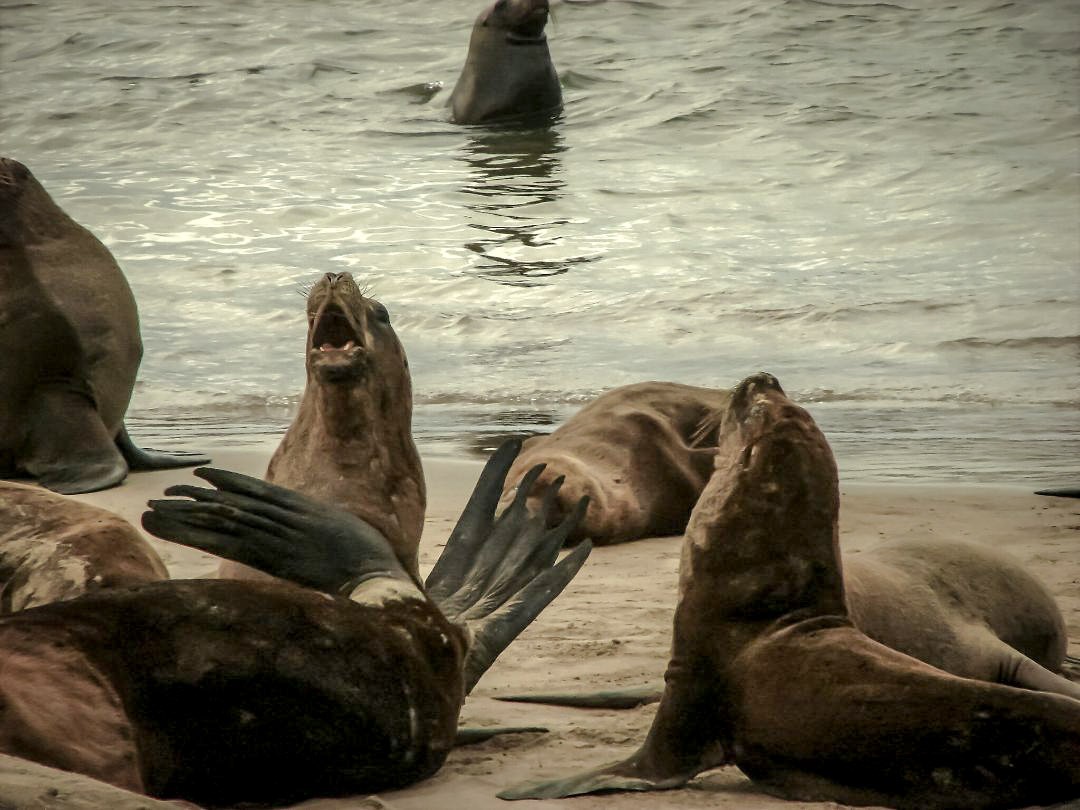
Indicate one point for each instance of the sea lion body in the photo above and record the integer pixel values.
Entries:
(639, 452)
(508, 73)
(768, 672)
(351, 443)
(53, 548)
(69, 333)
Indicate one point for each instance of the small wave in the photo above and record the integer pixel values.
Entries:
(1042, 342)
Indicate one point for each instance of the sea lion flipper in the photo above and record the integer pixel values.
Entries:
(614, 699)
(67, 448)
(140, 459)
(1069, 492)
(617, 776)
(471, 735)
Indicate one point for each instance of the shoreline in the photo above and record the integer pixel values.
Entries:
(611, 627)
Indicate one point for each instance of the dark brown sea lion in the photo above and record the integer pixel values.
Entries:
(54, 548)
(69, 338)
(223, 691)
(508, 73)
(768, 672)
(351, 442)
(642, 453)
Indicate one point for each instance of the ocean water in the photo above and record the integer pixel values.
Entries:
(877, 202)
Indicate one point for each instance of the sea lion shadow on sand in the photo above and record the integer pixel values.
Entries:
(70, 348)
(222, 692)
(768, 672)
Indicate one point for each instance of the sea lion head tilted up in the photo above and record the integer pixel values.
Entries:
(508, 72)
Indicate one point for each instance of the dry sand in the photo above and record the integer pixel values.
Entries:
(612, 625)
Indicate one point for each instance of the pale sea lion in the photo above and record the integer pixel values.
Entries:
(351, 442)
(768, 672)
(69, 336)
(222, 691)
(54, 548)
(641, 453)
(508, 72)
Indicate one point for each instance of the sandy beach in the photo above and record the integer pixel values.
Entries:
(611, 628)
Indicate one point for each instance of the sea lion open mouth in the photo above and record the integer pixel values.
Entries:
(331, 330)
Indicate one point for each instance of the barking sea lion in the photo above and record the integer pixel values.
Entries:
(508, 74)
(69, 339)
(641, 453)
(351, 443)
(768, 672)
(222, 691)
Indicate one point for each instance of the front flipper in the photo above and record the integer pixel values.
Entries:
(617, 699)
(66, 447)
(1060, 493)
(471, 735)
(629, 774)
(139, 459)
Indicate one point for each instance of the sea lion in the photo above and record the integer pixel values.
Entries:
(351, 442)
(54, 548)
(641, 452)
(69, 336)
(508, 73)
(768, 672)
(225, 691)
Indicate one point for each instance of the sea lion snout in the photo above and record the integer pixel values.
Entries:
(337, 340)
(12, 174)
(523, 20)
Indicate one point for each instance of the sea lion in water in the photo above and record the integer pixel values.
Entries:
(508, 72)
(351, 443)
(69, 336)
(641, 452)
(768, 672)
(222, 691)
(54, 548)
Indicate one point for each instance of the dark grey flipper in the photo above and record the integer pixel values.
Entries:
(617, 699)
(1060, 493)
(139, 459)
(496, 576)
(67, 447)
(473, 736)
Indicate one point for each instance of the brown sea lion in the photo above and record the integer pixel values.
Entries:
(69, 336)
(638, 452)
(224, 691)
(508, 73)
(54, 548)
(768, 672)
(351, 442)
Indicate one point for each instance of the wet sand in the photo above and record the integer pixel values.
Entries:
(611, 628)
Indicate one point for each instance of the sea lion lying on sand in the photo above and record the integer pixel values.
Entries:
(508, 73)
(351, 442)
(69, 339)
(768, 672)
(642, 453)
(222, 691)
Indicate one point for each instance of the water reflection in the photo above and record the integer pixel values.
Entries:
(516, 175)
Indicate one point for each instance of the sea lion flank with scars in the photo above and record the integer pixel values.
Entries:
(222, 691)
(351, 443)
(69, 339)
(768, 672)
(508, 73)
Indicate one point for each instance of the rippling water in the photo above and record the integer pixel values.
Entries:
(877, 202)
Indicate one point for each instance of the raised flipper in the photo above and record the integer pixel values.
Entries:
(67, 448)
(139, 459)
(629, 698)
(495, 576)
(472, 736)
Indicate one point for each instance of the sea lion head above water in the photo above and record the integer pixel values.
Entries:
(508, 73)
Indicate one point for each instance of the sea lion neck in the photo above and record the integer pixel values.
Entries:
(761, 545)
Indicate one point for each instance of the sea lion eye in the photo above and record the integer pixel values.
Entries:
(382, 314)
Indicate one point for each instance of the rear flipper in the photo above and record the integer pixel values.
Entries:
(473, 736)
(629, 698)
(496, 576)
(1060, 493)
(629, 774)
(1019, 670)
(139, 460)
(67, 447)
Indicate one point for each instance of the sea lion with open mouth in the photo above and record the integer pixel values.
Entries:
(350, 444)
(508, 73)
(70, 343)
(768, 673)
